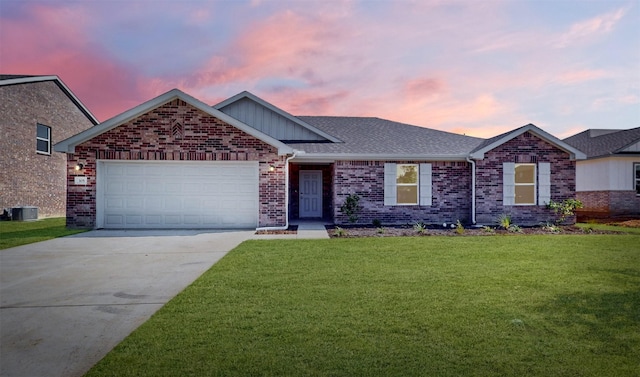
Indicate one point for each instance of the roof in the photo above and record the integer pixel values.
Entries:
(489, 144)
(69, 144)
(369, 138)
(601, 143)
(6, 80)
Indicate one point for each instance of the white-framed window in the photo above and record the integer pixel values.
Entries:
(43, 139)
(407, 184)
(636, 170)
(525, 184)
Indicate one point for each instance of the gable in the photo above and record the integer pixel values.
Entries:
(528, 131)
(272, 120)
(635, 147)
(69, 144)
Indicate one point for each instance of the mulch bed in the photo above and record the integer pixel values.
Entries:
(292, 229)
(350, 231)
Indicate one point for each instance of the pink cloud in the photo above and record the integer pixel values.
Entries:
(595, 26)
(573, 77)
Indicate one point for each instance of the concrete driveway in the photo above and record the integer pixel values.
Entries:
(65, 303)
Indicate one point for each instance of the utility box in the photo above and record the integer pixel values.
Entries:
(24, 213)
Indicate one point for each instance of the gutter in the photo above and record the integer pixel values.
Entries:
(286, 196)
(332, 157)
(473, 190)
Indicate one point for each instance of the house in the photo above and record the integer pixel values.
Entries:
(608, 181)
(35, 113)
(176, 162)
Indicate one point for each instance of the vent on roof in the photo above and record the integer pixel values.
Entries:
(527, 134)
(533, 159)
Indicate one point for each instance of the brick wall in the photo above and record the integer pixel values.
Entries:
(609, 203)
(175, 131)
(525, 148)
(451, 193)
(29, 178)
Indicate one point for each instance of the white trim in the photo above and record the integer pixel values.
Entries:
(69, 144)
(333, 157)
(48, 139)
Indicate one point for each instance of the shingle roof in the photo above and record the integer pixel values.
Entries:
(598, 143)
(368, 136)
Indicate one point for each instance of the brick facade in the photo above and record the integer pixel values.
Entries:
(451, 193)
(175, 131)
(29, 178)
(609, 203)
(525, 148)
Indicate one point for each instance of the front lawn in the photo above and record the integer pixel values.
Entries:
(16, 233)
(431, 306)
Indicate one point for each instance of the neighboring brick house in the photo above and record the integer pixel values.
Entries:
(176, 162)
(35, 113)
(608, 181)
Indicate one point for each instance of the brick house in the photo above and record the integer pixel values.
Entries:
(35, 113)
(176, 162)
(608, 181)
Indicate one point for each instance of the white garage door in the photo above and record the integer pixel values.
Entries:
(170, 195)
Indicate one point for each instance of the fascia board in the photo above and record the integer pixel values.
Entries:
(69, 144)
(574, 153)
(61, 85)
(330, 157)
(276, 110)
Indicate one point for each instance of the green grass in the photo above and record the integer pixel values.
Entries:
(561, 305)
(16, 233)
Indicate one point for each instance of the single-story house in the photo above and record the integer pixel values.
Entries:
(176, 162)
(608, 181)
(35, 113)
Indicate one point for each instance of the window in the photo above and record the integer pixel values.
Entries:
(636, 167)
(43, 139)
(525, 184)
(407, 184)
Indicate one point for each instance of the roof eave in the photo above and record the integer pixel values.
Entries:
(331, 157)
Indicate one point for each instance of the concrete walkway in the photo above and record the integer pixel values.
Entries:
(65, 303)
(307, 229)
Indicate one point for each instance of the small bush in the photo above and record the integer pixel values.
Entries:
(514, 229)
(459, 227)
(548, 227)
(504, 221)
(420, 227)
(351, 207)
(380, 230)
(488, 229)
(565, 208)
(340, 232)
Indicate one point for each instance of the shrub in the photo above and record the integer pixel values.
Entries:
(339, 232)
(351, 207)
(565, 208)
(420, 227)
(459, 227)
(504, 221)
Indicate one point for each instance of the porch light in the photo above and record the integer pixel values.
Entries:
(272, 168)
(79, 166)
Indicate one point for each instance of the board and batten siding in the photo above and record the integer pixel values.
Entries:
(268, 121)
(605, 174)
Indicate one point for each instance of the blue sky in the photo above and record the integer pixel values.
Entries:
(474, 67)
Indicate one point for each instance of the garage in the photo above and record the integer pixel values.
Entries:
(177, 194)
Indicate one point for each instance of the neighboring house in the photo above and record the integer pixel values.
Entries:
(176, 162)
(608, 181)
(35, 113)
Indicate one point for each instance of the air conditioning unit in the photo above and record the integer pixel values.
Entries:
(24, 213)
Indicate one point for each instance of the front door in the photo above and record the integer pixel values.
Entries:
(310, 193)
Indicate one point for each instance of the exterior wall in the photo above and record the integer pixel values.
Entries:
(608, 203)
(327, 193)
(154, 136)
(525, 148)
(606, 174)
(451, 187)
(29, 178)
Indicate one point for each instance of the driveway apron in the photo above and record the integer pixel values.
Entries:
(65, 303)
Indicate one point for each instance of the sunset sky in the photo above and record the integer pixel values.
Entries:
(469, 66)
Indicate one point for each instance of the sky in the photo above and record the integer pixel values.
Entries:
(478, 67)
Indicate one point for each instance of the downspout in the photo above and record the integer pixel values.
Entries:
(286, 197)
(473, 190)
